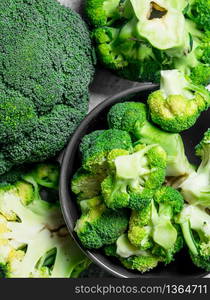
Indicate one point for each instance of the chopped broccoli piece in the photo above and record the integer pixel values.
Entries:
(196, 188)
(135, 178)
(199, 12)
(34, 241)
(94, 158)
(102, 12)
(100, 226)
(195, 224)
(153, 227)
(178, 103)
(132, 117)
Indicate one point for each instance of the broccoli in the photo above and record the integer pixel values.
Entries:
(99, 226)
(153, 227)
(178, 103)
(132, 117)
(138, 39)
(195, 224)
(34, 241)
(135, 178)
(199, 12)
(43, 87)
(94, 157)
(131, 257)
(102, 12)
(196, 188)
(86, 185)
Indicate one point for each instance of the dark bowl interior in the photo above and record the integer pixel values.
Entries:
(182, 266)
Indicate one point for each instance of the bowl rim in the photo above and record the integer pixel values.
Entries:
(64, 159)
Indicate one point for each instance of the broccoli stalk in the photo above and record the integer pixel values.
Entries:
(132, 117)
(196, 188)
(178, 103)
(135, 177)
(195, 224)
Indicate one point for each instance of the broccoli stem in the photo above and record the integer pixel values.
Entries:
(188, 237)
(177, 163)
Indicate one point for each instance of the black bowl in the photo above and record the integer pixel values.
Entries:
(96, 119)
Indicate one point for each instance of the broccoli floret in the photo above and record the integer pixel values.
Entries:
(100, 226)
(88, 140)
(102, 12)
(153, 227)
(178, 103)
(86, 185)
(132, 117)
(196, 188)
(42, 77)
(195, 224)
(34, 241)
(199, 12)
(135, 178)
(133, 258)
(119, 50)
(94, 158)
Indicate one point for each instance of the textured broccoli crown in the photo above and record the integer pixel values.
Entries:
(86, 185)
(125, 116)
(94, 159)
(102, 12)
(195, 224)
(17, 115)
(195, 188)
(135, 178)
(141, 263)
(41, 77)
(50, 135)
(100, 226)
(178, 103)
(199, 12)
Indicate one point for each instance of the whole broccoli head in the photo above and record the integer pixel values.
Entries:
(43, 87)
(132, 117)
(34, 241)
(178, 103)
(135, 177)
(99, 226)
(195, 224)
(196, 188)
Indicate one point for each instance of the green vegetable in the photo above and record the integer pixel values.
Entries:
(34, 241)
(153, 227)
(139, 38)
(178, 103)
(135, 177)
(196, 188)
(100, 226)
(195, 224)
(43, 87)
(94, 155)
(132, 117)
